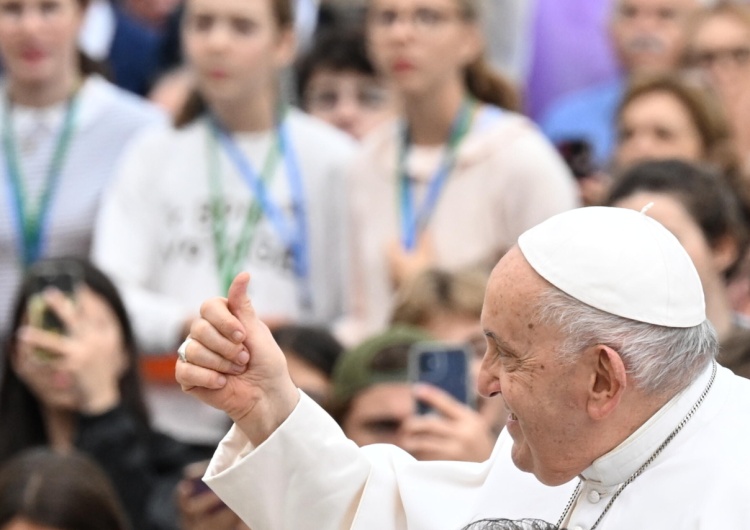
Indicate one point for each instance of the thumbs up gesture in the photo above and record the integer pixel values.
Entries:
(233, 364)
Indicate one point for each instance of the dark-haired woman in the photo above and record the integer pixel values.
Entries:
(62, 126)
(241, 183)
(457, 178)
(81, 390)
(703, 213)
(44, 489)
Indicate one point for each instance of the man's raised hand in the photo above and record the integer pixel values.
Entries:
(233, 364)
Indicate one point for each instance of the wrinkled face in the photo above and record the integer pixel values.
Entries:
(353, 102)
(51, 383)
(649, 34)
(720, 47)
(38, 38)
(657, 126)
(670, 212)
(458, 328)
(545, 398)
(376, 414)
(235, 47)
(419, 44)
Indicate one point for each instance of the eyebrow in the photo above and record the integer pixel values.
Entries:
(500, 343)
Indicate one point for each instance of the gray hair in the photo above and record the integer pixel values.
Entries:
(660, 360)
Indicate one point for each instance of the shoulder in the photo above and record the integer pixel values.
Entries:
(317, 131)
(383, 139)
(496, 130)
(101, 101)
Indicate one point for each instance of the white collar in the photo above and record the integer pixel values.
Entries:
(95, 97)
(618, 465)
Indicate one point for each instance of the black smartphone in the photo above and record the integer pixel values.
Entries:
(446, 366)
(63, 275)
(579, 156)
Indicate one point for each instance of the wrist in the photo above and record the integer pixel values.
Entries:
(269, 413)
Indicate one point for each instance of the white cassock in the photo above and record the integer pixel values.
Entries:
(307, 475)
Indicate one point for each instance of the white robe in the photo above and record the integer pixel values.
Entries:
(307, 475)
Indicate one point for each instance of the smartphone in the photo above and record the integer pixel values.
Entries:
(63, 275)
(446, 366)
(579, 156)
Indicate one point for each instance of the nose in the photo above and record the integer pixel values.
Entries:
(488, 380)
(218, 37)
(31, 19)
(346, 111)
(402, 28)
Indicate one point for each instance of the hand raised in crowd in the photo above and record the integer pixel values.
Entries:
(233, 364)
(86, 361)
(455, 432)
(405, 264)
(200, 508)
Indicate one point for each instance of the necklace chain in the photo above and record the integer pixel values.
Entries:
(646, 464)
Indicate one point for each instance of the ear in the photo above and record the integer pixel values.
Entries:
(286, 47)
(607, 384)
(724, 253)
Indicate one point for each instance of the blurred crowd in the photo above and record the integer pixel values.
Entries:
(368, 162)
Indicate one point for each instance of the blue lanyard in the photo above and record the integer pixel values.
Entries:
(294, 231)
(414, 220)
(33, 219)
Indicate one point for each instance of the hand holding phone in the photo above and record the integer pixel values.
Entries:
(446, 366)
(65, 276)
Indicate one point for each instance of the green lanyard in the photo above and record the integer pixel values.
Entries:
(415, 218)
(230, 258)
(32, 216)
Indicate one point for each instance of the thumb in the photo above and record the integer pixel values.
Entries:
(238, 301)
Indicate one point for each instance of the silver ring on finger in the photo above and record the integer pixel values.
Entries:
(182, 350)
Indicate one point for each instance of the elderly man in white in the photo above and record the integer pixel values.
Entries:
(598, 342)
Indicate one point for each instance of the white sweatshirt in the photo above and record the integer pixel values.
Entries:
(154, 237)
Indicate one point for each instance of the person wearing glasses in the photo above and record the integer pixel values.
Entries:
(457, 176)
(719, 47)
(337, 83)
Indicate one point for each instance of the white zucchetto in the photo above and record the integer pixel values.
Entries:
(619, 261)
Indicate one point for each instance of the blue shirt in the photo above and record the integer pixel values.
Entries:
(587, 115)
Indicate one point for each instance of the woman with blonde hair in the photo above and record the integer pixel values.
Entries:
(458, 176)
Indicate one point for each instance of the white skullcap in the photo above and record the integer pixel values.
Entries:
(619, 261)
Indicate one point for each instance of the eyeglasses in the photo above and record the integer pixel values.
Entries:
(372, 97)
(422, 19)
(737, 56)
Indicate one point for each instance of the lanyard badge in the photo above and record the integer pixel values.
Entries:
(414, 219)
(292, 231)
(32, 216)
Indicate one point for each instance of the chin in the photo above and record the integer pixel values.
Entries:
(521, 457)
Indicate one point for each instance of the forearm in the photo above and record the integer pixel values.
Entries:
(306, 475)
